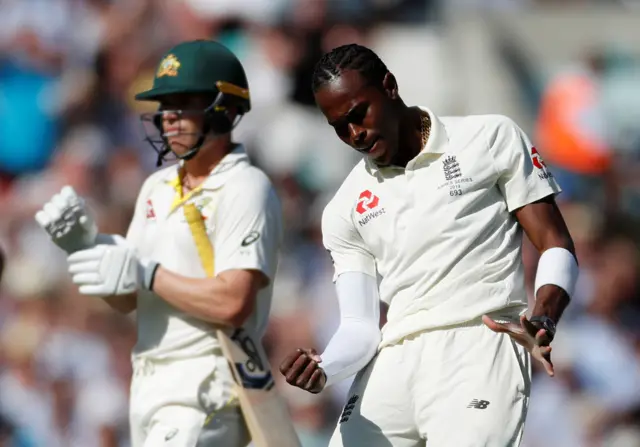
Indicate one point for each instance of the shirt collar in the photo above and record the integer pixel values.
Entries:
(436, 144)
(219, 175)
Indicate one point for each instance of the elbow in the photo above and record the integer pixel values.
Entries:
(371, 337)
(374, 341)
(239, 310)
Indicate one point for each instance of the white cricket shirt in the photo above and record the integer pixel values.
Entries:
(439, 235)
(243, 218)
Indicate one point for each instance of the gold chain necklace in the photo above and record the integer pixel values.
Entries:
(425, 128)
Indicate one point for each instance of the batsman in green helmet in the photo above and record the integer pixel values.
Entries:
(203, 93)
(200, 254)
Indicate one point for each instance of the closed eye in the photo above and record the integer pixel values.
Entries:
(355, 115)
(358, 113)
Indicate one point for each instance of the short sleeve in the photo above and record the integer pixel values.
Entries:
(523, 176)
(248, 231)
(342, 240)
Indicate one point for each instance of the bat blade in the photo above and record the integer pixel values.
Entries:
(264, 409)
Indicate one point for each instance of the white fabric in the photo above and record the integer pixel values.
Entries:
(237, 202)
(67, 221)
(172, 400)
(463, 387)
(358, 335)
(557, 266)
(106, 270)
(440, 233)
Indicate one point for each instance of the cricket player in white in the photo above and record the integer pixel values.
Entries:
(431, 223)
(182, 390)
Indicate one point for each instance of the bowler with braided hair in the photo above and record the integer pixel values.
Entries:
(431, 222)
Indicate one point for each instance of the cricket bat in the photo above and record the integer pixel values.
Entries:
(265, 411)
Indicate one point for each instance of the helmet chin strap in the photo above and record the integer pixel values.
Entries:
(191, 153)
(187, 156)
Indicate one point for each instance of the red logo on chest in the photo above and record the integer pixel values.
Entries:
(366, 202)
(151, 214)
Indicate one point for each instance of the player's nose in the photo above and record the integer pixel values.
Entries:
(357, 135)
(170, 116)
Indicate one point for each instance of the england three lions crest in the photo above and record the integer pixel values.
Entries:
(453, 176)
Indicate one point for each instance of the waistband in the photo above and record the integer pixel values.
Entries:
(508, 315)
(144, 364)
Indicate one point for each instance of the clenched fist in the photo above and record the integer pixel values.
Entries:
(67, 221)
(301, 369)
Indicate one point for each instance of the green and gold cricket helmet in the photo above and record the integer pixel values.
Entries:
(201, 66)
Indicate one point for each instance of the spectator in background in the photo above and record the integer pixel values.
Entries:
(570, 129)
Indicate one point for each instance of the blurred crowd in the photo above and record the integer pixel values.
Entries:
(68, 72)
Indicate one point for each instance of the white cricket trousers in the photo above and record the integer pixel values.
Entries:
(184, 403)
(464, 386)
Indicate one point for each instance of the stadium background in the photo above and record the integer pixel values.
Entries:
(566, 71)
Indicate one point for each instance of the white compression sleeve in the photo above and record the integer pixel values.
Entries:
(355, 342)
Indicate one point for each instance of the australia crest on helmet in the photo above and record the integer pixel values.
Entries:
(168, 66)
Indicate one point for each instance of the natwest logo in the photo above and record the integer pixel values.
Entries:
(539, 163)
(366, 202)
(151, 214)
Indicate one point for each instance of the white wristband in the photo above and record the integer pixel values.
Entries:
(147, 272)
(557, 266)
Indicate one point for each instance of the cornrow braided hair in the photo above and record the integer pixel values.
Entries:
(349, 57)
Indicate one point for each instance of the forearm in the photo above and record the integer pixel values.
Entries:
(210, 299)
(558, 266)
(352, 346)
(555, 282)
(356, 341)
(551, 301)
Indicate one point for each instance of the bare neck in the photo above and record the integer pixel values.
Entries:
(196, 170)
(410, 141)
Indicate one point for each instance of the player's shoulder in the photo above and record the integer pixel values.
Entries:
(249, 186)
(352, 184)
(483, 133)
(341, 203)
(478, 123)
(250, 179)
(160, 176)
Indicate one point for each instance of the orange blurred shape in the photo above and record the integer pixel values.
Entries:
(562, 140)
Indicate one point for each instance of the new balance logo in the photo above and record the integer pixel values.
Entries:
(348, 409)
(478, 404)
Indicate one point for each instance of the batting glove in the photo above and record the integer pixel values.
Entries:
(67, 221)
(107, 270)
